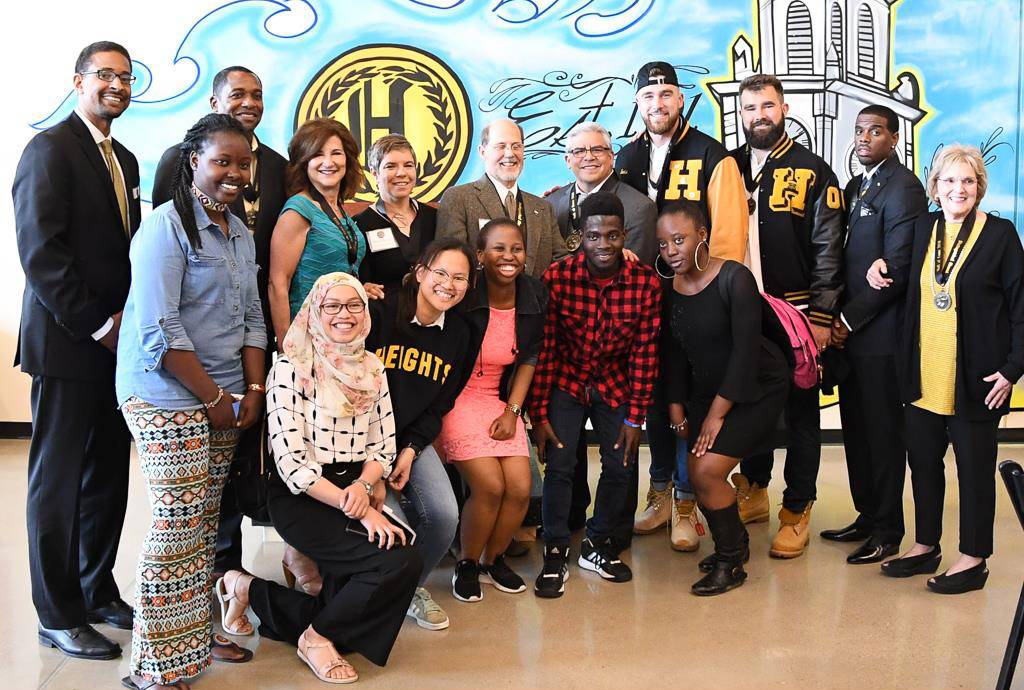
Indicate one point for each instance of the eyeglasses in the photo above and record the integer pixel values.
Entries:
(965, 181)
(595, 151)
(110, 75)
(334, 308)
(442, 276)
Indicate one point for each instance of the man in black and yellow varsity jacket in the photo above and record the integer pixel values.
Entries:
(795, 248)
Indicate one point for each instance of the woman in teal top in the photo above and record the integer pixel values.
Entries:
(314, 235)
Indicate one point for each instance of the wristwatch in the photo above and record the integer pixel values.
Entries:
(366, 485)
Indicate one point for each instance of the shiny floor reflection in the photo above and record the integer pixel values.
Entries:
(813, 622)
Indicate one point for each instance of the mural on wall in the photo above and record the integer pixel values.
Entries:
(437, 70)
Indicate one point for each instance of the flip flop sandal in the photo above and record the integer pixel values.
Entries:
(221, 642)
(322, 672)
(224, 598)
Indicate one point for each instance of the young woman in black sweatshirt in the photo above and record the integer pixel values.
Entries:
(425, 348)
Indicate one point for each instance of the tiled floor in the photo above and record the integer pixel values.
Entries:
(813, 622)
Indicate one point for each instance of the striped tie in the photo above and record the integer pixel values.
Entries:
(115, 177)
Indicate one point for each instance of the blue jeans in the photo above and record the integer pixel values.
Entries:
(668, 451)
(429, 500)
(567, 416)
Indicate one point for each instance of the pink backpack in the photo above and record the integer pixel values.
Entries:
(789, 329)
(805, 350)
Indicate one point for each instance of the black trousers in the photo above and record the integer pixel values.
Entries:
(77, 497)
(974, 447)
(803, 451)
(876, 456)
(366, 590)
(580, 501)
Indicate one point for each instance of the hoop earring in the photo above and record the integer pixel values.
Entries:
(696, 254)
(658, 271)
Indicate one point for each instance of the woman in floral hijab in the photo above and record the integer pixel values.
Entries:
(332, 434)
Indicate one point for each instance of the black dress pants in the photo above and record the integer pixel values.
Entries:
(77, 497)
(876, 456)
(366, 590)
(974, 447)
(803, 451)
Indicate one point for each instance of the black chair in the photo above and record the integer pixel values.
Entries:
(1013, 477)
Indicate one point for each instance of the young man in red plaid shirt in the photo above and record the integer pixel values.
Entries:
(598, 360)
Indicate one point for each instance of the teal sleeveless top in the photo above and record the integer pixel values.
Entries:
(326, 250)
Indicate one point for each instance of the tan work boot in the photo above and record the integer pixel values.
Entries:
(793, 535)
(657, 512)
(686, 529)
(751, 499)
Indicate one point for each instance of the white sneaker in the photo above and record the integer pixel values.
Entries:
(426, 612)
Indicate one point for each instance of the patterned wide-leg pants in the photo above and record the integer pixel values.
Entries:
(185, 464)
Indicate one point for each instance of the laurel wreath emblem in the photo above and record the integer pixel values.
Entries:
(438, 105)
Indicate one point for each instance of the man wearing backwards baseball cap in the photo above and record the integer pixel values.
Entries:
(673, 161)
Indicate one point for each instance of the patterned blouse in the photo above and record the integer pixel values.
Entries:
(303, 437)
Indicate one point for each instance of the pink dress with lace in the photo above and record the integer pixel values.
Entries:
(464, 430)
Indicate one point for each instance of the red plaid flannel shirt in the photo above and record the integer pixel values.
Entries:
(605, 338)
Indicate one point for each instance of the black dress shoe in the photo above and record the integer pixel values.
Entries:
(872, 552)
(116, 613)
(83, 642)
(925, 563)
(958, 583)
(852, 532)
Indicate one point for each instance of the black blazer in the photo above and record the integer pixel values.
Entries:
(388, 267)
(73, 250)
(270, 168)
(879, 226)
(989, 316)
(531, 311)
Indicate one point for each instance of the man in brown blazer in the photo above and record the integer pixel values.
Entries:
(464, 209)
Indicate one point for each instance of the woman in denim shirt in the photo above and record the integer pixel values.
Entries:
(191, 343)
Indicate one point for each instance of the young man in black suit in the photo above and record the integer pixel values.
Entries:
(238, 91)
(882, 204)
(76, 206)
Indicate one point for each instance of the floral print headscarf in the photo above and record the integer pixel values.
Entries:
(346, 378)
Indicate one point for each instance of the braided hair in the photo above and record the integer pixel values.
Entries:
(195, 141)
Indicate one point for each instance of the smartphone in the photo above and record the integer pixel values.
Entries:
(237, 404)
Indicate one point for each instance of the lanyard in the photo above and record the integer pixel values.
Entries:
(942, 272)
(343, 225)
(575, 238)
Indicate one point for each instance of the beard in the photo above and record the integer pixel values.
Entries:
(766, 139)
(663, 127)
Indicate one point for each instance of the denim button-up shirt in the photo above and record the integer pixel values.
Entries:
(201, 300)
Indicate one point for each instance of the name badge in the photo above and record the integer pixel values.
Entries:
(381, 240)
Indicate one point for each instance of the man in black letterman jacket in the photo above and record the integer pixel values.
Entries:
(795, 249)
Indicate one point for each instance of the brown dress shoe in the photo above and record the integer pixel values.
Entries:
(793, 535)
(751, 499)
(657, 512)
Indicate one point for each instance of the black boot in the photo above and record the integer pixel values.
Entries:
(707, 564)
(729, 534)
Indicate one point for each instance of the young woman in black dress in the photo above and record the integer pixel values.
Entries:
(725, 382)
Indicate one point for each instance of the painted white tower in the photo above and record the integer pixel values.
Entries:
(833, 58)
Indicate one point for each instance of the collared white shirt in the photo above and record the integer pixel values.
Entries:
(99, 137)
(502, 190)
(658, 154)
(439, 322)
(597, 188)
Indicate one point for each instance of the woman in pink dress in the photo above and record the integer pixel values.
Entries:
(484, 435)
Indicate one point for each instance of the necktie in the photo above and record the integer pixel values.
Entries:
(115, 177)
(510, 206)
(865, 185)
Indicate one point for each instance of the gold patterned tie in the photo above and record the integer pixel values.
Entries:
(115, 177)
(510, 206)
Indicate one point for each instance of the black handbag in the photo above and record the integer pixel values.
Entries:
(251, 474)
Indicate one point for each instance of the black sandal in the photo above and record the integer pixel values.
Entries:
(221, 642)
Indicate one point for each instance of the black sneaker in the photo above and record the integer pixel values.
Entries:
(502, 577)
(466, 581)
(599, 560)
(550, 584)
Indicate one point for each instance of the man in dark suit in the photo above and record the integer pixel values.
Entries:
(76, 205)
(238, 91)
(590, 157)
(882, 204)
(464, 209)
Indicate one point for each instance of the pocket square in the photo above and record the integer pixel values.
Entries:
(135, 193)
